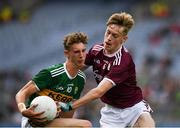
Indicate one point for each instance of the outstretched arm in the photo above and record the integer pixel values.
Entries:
(93, 94)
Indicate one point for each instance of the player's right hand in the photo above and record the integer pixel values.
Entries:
(34, 116)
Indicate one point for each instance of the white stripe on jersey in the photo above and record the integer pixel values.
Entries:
(97, 47)
(58, 73)
(82, 75)
(57, 69)
(117, 60)
(60, 70)
(118, 57)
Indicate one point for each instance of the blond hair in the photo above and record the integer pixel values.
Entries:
(122, 19)
(73, 38)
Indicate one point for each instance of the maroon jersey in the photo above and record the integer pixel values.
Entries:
(119, 68)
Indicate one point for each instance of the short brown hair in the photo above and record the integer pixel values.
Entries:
(75, 37)
(122, 19)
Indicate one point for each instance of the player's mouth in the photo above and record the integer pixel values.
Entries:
(107, 44)
(80, 61)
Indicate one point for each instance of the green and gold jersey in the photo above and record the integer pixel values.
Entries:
(56, 83)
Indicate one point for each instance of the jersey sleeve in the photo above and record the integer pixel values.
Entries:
(93, 53)
(42, 79)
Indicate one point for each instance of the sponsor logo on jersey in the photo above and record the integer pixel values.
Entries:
(106, 65)
(55, 96)
(105, 61)
(60, 88)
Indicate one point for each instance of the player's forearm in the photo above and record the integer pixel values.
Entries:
(95, 93)
(91, 95)
(24, 94)
(20, 100)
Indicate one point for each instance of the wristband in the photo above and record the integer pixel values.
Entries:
(65, 107)
(21, 107)
(70, 106)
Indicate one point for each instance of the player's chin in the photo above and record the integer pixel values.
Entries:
(80, 65)
(107, 47)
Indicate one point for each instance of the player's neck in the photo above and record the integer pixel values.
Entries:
(71, 69)
(111, 54)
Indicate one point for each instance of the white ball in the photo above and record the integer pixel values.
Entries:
(47, 105)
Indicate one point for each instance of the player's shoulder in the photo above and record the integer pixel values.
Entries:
(56, 69)
(97, 47)
(126, 52)
(81, 74)
(127, 57)
(122, 57)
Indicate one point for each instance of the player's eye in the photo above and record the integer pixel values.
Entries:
(76, 52)
(108, 32)
(115, 35)
(84, 50)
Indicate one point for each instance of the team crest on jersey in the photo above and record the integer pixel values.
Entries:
(60, 88)
(76, 90)
(97, 61)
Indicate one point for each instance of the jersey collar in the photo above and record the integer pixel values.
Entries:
(65, 68)
(113, 54)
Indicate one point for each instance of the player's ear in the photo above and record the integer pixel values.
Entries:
(125, 38)
(66, 53)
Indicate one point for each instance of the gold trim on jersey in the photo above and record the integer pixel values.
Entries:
(55, 96)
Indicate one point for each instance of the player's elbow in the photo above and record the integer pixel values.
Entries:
(20, 95)
(17, 95)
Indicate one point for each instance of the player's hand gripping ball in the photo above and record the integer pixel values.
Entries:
(46, 104)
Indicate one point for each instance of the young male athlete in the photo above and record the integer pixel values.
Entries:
(114, 71)
(62, 82)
